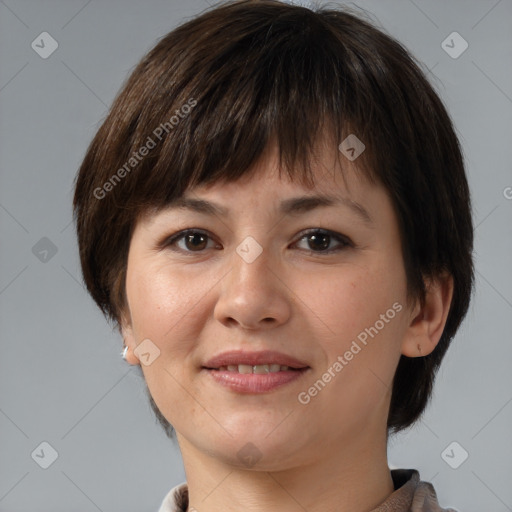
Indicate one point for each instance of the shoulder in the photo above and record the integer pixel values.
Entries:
(176, 500)
(411, 494)
(420, 496)
(425, 499)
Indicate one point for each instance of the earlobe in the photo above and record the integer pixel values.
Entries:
(428, 321)
(129, 342)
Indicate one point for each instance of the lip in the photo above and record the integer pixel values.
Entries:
(253, 383)
(236, 357)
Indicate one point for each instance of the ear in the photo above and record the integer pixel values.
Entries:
(129, 340)
(427, 322)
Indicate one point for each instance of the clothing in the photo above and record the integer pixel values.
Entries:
(411, 495)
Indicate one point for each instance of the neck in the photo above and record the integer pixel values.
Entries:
(351, 478)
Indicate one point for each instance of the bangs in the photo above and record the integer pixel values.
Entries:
(287, 80)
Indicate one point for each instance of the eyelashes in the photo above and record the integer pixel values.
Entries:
(197, 238)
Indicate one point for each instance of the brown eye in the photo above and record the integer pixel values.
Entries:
(195, 241)
(192, 240)
(319, 240)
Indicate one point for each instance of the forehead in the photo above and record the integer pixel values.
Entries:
(331, 173)
(268, 188)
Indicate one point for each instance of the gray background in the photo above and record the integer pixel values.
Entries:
(61, 377)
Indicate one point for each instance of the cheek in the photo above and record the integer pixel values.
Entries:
(164, 304)
(346, 300)
(362, 309)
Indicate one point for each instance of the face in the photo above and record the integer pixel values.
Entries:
(322, 287)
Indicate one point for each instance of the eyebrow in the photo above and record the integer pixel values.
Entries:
(292, 206)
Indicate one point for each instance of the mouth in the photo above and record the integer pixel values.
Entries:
(260, 369)
(265, 361)
(254, 372)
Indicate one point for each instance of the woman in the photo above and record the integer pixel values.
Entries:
(276, 216)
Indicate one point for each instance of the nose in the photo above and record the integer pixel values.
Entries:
(253, 295)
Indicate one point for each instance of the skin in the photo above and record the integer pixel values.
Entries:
(193, 305)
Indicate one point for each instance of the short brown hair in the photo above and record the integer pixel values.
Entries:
(219, 88)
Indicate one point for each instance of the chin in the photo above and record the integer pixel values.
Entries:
(257, 446)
